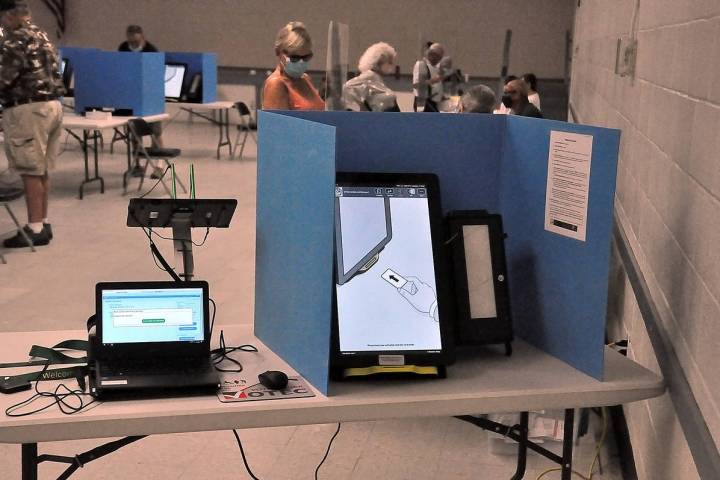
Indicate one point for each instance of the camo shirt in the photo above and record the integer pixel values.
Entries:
(29, 65)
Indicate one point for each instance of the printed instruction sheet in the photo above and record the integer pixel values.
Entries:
(568, 184)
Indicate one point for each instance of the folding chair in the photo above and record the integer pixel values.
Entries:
(8, 194)
(138, 130)
(243, 128)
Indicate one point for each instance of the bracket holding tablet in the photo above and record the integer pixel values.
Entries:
(182, 215)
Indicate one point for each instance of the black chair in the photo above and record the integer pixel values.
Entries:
(244, 128)
(139, 129)
(8, 194)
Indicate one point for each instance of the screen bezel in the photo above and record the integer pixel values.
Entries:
(443, 356)
(152, 349)
(480, 330)
(182, 86)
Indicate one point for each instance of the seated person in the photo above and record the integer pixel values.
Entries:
(289, 87)
(136, 41)
(478, 99)
(515, 98)
(367, 91)
(502, 109)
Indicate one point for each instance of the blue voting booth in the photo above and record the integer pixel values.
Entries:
(204, 64)
(558, 284)
(120, 80)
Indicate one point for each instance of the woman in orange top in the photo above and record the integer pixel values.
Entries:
(289, 87)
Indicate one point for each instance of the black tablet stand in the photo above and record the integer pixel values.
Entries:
(182, 215)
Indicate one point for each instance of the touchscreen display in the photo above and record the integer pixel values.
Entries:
(174, 78)
(386, 292)
(152, 315)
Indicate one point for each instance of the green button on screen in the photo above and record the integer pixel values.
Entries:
(153, 320)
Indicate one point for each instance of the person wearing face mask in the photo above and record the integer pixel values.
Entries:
(515, 98)
(427, 80)
(289, 87)
(136, 41)
(367, 91)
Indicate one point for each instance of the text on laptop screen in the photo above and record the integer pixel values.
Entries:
(153, 315)
(386, 292)
(174, 79)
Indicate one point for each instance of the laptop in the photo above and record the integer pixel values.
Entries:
(152, 338)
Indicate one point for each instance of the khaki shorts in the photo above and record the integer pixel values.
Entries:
(32, 136)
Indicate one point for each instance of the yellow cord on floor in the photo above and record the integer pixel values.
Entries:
(595, 459)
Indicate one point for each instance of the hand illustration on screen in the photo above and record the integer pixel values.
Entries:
(420, 295)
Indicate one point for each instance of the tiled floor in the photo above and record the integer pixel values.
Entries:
(53, 289)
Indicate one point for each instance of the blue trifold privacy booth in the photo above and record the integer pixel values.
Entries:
(499, 163)
(204, 64)
(120, 80)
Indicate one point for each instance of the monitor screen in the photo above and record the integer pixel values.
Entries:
(385, 289)
(174, 79)
(63, 64)
(152, 315)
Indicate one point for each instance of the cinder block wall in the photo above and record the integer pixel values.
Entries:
(668, 196)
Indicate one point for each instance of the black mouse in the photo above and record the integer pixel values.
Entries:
(273, 379)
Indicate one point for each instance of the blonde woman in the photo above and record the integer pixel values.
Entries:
(289, 87)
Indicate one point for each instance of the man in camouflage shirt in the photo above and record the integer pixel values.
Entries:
(30, 86)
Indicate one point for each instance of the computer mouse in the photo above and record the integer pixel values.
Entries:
(273, 379)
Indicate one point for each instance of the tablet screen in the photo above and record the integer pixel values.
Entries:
(386, 280)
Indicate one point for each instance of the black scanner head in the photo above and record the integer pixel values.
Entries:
(273, 379)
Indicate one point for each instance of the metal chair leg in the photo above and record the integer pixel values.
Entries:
(20, 229)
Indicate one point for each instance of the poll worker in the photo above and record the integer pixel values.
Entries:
(289, 87)
(427, 80)
(136, 41)
(367, 91)
(515, 97)
(30, 88)
(478, 99)
(533, 96)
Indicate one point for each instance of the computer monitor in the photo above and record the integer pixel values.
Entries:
(63, 64)
(66, 73)
(174, 80)
(390, 281)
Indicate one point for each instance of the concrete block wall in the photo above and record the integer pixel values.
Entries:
(668, 195)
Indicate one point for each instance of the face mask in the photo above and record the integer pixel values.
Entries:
(295, 69)
(507, 100)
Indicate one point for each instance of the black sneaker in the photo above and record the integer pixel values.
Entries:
(48, 230)
(137, 171)
(18, 241)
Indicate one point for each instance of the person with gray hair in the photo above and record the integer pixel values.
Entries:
(478, 99)
(367, 91)
(427, 80)
(136, 41)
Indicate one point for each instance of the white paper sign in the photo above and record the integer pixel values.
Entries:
(568, 184)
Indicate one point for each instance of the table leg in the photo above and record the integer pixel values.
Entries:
(86, 157)
(29, 461)
(522, 447)
(224, 129)
(566, 464)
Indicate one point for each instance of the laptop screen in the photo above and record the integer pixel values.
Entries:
(174, 79)
(152, 315)
(386, 291)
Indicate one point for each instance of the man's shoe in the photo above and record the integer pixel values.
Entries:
(48, 229)
(18, 241)
(157, 174)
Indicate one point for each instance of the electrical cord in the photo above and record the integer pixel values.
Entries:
(219, 355)
(59, 396)
(598, 448)
(327, 452)
(207, 232)
(317, 469)
(242, 452)
(156, 183)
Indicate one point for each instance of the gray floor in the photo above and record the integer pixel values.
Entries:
(52, 289)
